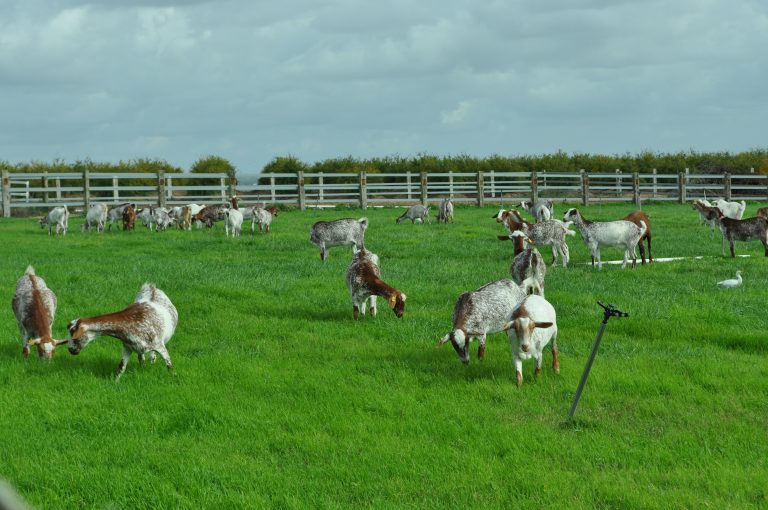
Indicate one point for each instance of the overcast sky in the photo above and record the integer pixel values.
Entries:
(250, 80)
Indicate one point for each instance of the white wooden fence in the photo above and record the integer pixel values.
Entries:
(29, 190)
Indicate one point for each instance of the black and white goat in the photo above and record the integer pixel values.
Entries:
(344, 232)
(145, 326)
(364, 283)
(34, 305)
(620, 234)
(57, 218)
(480, 313)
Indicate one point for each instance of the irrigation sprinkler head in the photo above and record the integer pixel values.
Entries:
(611, 311)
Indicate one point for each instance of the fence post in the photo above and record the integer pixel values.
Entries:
(161, 188)
(423, 188)
(6, 194)
(45, 185)
(363, 190)
(544, 181)
(727, 185)
(534, 186)
(300, 185)
(493, 185)
(480, 189)
(655, 188)
(450, 183)
(272, 188)
(681, 187)
(87, 189)
(223, 188)
(320, 183)
(584, 188)
(169, 187)
(115, 189)
(636, 188)
(58, 189)
(618, 182)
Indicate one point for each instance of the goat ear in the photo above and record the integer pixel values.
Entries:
(392, 300)
(443, 341)
(543, 325)
(507, 326)
(33, 341)
(59, 342)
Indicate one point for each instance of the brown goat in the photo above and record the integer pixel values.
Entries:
(744, 230)
(129, 218)
(763, 212)
(635, 218)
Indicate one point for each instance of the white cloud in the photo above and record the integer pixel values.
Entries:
(458, 115)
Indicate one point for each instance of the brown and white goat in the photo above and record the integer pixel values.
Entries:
(708, 214)
(743, 230)
(533, 324)
(544, 233)
(636, 217)
(212, 213)
(129, 218)
(528, 268)
(34, 305)
(364, 283)
(186, 218)
(145, 326)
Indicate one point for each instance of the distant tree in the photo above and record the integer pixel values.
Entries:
(214, 165)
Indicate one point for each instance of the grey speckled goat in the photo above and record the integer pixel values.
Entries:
(415, 212)
(621, 234)
(743, 230)
(445, 211)
(484, 311)
(344, 232)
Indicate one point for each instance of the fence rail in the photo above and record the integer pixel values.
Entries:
(81, 190)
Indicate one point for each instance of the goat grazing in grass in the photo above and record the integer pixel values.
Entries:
(364, 283)
(96, 217)
(34, 305)
(325, 234)
(445, 211)
(620, 234)
(415, 213)
(531, 327)
(545, 233)
(480, 313)
(145, 326)
(743, 230)
(528, 268)
(708, 214)
(116, 214)
(129, 218)
(58, 217)
(637, 218)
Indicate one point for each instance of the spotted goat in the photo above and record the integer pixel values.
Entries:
(365, 284)
(545, 233)
(743, 230)
(480, 313)
(528, 268)
(34, 305)
(621, 234)
(263, 218)
(145, 326)
(344, 232)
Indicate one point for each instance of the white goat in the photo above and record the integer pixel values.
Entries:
(58, 217)
(97, 216)
(620, 234)
(531, 327)
(733, 210)
(542, 210)
(233, 222)
(145, 326)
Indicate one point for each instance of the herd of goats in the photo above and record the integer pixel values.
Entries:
(516, 306)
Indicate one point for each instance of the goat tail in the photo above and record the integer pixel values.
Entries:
(30, 271)
(643, 228)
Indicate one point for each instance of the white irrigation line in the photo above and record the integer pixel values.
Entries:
(665, 259)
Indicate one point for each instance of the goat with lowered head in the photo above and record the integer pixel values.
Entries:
(96, 216)
(344, 232)
(233, 222)
(542, 210)
(364, 283)
(620, 234)
(545, 233)
(415, 213)
(445, 211)
(528, 268)
(34, 305)
(58, 217)
(480, 313)
(531, 327)
(145, 326)
(708, 214)
(116, 214)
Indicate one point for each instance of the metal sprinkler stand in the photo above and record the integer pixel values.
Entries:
(609, 311)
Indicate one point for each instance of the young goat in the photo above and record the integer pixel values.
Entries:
(533, 324)
(546, 233)
(364, 283)
(145, 326)
(116, 214)
(185, 218)
(57, 217)
(233, 222)
(481, 313)
(415, 213)
(542, 210)
(34, 305)
(129, 218)
(325, 234)
(637, 217)
(263, 218)
(743, 230)
(445, 211)
(97, 216)
(620, 234)
(528, 268)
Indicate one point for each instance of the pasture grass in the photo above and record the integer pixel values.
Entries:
(281, 400)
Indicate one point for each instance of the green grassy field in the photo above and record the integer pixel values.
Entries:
(282, 400)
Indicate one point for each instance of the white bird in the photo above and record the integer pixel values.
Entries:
(733, 282)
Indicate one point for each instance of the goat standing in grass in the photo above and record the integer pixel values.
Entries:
(620, 234)
(531, 327)
(34, 306)
(445, 211)
(528, 268)
(145, 326)
(325, 234)
(544, 233)
(96, 216)
(743, 230)
(364, 283)
(58, 217)
(415, 213)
